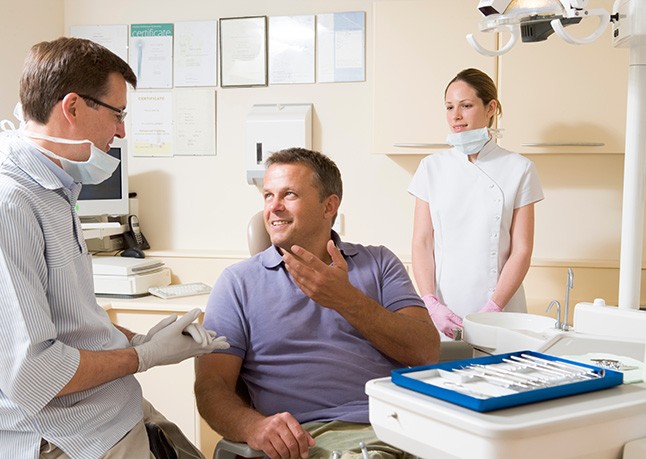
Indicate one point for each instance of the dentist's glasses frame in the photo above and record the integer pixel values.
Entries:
(121, 114)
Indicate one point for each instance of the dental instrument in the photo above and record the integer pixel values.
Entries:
(535, 381)
(496, 380)
(364, 450)
(562, 365)
(554, 369)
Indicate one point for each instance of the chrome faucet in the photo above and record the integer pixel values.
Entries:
(568, 287)
(561, 324)
(558, 324)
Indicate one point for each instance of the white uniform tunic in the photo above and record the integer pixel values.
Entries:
(472, 206)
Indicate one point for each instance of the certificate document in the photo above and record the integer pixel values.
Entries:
(195, 53)
(152, 123)
(194, 116)
(112, 36)
(243, 51)
(151, 55)
(341, 46)
(291, 49)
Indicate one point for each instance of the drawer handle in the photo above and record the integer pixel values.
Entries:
(564, 144)
(394, 415)
(422, 145)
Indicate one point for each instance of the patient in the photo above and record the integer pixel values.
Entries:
(309, 320)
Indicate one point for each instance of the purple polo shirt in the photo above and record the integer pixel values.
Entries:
(298, 356)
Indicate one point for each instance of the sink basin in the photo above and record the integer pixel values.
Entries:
(502, 332)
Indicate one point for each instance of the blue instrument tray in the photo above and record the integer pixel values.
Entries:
(476, 383)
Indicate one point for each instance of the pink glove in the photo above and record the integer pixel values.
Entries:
(443, 318)
(491, 306)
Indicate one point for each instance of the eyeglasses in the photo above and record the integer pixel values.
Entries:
(121, 114)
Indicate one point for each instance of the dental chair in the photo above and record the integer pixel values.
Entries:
(257, 236)
(226, 449)
(258, 240)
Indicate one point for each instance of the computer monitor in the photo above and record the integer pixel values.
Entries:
(109, 197)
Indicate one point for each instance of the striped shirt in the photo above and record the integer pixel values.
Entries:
(47, 313)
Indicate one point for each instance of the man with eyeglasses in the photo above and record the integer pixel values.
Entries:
(67, 388)
(120, 112)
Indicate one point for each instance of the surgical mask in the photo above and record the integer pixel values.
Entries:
(468, 142)
(98, 168)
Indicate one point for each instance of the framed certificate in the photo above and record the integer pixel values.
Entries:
(243, 51)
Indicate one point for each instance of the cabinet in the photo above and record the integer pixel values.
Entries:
(419, 46)
(169, 388)
(562, 98)
(556, 97)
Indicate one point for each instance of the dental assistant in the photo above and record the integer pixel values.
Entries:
(473, 232)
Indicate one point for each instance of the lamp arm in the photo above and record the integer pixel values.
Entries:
(514, 29)
(604, 20)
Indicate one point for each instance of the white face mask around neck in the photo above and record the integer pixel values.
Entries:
(98, 167)
(469, 142)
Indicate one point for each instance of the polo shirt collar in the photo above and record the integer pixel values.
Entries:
(271, 257)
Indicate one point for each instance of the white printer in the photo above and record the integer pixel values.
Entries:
(128, 277)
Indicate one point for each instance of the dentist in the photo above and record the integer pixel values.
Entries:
(67, 388)
(473, 230)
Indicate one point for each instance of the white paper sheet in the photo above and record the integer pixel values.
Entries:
(151, 55)
(195, 53)
(341, 47)
(194, 117)
(291, 49)
(114, 37)
(151, 129)
(243, 51)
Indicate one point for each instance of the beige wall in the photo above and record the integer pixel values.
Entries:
(193, 203)
(22, 24)
(200, 205)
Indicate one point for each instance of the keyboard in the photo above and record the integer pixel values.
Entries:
(180, 290)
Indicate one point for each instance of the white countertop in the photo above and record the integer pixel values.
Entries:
(153, 303)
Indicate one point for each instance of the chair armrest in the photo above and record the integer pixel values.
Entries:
(227, 449)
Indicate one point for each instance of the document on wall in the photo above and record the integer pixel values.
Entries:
(243, 51)
(291, 49)
(151, 129)
(194, 116)
(112, 36)
(151, 55)
(195, 53)
(341, 46)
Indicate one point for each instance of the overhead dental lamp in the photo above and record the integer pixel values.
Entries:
(535, 20)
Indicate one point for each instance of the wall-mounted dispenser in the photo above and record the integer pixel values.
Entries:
(271, 128)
